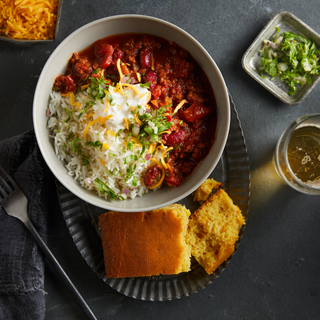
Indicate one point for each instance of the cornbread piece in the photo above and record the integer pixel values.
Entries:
(138, 244)
(203, 192)
(213, 230)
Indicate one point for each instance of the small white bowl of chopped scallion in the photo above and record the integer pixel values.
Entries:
(284, 58)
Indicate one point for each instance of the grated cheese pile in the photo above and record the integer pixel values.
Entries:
(28, 19)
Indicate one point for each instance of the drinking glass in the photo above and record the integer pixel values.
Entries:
(297, 154)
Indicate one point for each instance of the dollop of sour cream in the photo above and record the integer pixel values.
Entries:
(122, 104)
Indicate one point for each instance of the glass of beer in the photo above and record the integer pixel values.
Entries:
(297, 154)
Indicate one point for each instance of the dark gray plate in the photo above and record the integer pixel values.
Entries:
(82, 221)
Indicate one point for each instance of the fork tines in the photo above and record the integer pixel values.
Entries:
(7, 185)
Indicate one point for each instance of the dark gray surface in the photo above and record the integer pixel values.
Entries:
(275, 273)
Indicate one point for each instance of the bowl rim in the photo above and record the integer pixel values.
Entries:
(87, 195)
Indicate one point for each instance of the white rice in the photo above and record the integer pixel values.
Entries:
(105, 164)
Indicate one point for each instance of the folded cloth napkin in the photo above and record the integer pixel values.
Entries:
(22, 294)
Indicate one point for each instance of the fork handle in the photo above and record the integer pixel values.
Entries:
(64, 277)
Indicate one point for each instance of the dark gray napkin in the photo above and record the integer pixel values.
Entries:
(22, 293)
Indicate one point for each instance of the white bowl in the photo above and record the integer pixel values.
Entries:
(82, 38)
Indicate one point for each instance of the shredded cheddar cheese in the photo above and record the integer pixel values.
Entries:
(181, 103)
(126, 123)
(162, 157)
(138, 76)
(85, 86)
(136, 144)
(132, 87)
(120, 74)
(162, 176)
(103, 120)
(102, 162)
(155, 103)
(28, 19)
(137, 120)
(88, 125)
(78, 104)
(152, 147)
(89, 116)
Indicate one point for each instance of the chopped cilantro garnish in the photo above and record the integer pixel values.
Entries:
(115, 138)
(136, 109)
(291, 57)
(69, 113)
(82, 112)
(130, 158)
(95, 144)
(109, 97)
(145, 85)
(89, 103)
(153, 125)
(98, 86)
(134, 181)
(85, 161)
(177, 147)
(130, 171)
(130, 145)
(76, 147)
(103, 188)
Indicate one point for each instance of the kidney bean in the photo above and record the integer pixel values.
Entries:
(175, 138)
(151, 175)
(152, 77)
(106, 59)
(145, 58)
(117, 54)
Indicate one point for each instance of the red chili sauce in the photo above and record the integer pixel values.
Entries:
(174, 75)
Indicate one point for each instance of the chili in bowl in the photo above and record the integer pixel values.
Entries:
(131, 113)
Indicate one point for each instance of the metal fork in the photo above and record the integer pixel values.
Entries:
(15, 203)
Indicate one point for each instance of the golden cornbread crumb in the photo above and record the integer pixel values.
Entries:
(213, 230)
(138, 244)
(203, 192)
